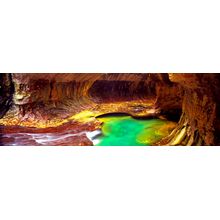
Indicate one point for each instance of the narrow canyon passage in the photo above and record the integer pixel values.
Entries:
(106, 109)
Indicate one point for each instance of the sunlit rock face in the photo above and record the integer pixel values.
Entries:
(73, 101)
(59, 96)
(199, 123)
(31, 88)
(55, 101)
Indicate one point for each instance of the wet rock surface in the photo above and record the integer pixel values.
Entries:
(199, 122)
(69, 134)
(70, 103)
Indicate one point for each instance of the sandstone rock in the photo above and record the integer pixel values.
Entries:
(50, 100)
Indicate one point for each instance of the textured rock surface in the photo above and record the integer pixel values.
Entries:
(199, 123)
(6, 93)
(69, 134)
(51, 100)
(43, 97)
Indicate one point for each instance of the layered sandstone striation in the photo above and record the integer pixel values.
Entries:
(56, 100)
(6, 93)
(43, 100)
(199, 122)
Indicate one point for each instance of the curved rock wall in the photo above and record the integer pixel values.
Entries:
(30, 88)
(6, 93)
(199, 123)
(59, 94)
(48, 96)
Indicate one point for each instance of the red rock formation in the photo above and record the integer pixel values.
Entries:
(199, 123)
(45, 97)
(169, 97)
(6, 92)
(69, 134)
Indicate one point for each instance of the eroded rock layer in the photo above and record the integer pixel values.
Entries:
(199, 122)
(49, 99)
(43, 101)
(6, 93)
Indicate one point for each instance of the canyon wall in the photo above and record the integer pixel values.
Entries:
(58, 95)
(169, 97)
(6, 93)
(199, 122)
(193, 99)
(30, 88)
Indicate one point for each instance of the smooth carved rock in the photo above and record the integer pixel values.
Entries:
(50, 100)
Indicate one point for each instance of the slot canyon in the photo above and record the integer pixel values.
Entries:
(109, 109)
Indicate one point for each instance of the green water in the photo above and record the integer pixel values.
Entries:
(127, 131)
